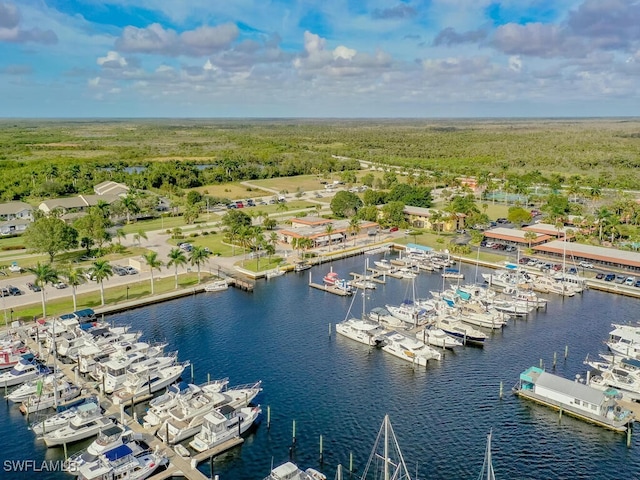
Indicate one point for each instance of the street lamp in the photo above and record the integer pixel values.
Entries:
(127, 292)
(11, 315)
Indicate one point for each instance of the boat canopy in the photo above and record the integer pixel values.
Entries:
(118, 452)
(632, 362)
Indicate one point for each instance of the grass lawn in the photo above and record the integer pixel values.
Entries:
(233, 191)
(301, 183)
(111, 295)
(11, 242)
(261, 264)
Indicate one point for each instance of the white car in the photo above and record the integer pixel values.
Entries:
(15, 268)
(584, 264)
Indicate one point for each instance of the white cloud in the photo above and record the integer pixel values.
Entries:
(515, 63)
(344, 53)
(112, 60)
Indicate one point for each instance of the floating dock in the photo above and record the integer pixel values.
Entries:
(331, 289)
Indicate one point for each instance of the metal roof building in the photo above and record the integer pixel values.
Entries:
(602, 255)
(514, 236)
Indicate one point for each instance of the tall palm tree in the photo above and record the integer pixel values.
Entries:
(152, 261)
(197, 257)
(74, 277)
(354, 228)
(130, 206)
(44, 273)
(139, 236)
(120, 233)
(101, 271)
(329, 230)
(177, 259)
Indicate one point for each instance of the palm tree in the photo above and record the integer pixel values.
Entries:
(120, 234)
(139, 236)
(74, 277)
(130, 206)
(354, 228)
(101, 271)
(44, 273)
(197, 257)
(152, 260)
(177, 259)
(329, 230)
(530, 237)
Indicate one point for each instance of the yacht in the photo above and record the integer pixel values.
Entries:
(108, 439)
(87, 422)
(454, 327)
(363, 331)
(408, 312)
(58, 394)
(131, 461)
(29, 388)
(92, 359)
(290, 471)
(185, 420)
(26, 369)
(57, 420)
(217, 286)
(147, 382)
(383, 316)
(409, 348)
(474, 314)
(116, 371)
(546, 284)
(224, 424)
(436, 337)
(176, 394)
(9, 357)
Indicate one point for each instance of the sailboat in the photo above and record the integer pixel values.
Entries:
(387, 455)
(487, 472)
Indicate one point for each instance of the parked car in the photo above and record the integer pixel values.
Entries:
(609, 277)
(119, 270)
(523, 260)
(502, 221)
(60, 285)
(630, 281)
(33, 287)
(14, 290)
(4, 292)
(15, 268)
(130, 270)
(572, 271)
(187, 247)
(620, 278)
(637, 284)
(584, 264)
(393, 229)
(599, 276)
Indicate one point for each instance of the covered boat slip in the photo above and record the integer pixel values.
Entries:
(574, 398)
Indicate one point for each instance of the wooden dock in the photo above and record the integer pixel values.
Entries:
(330, 289)
(374, 277)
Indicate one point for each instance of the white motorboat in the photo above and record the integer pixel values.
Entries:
(290, 471)
(511, 307)
(474, 314)
(93, 360)
(222, 424)
(409, 312)
(108, 439)
(57, 420)
(409, 349)
(216, 286)
(27, 389)
(159, 407)
(57, 395)
(454, 327)
(25, 370)
(87, 422)
(185, 420)
(452, 273)
(116, 371)
(131, 461)
(383, 264)
(546, 284)
(384, 317)
(437, 337)
(9, 357)
(363, 331)
(276, 272)
(145, 383)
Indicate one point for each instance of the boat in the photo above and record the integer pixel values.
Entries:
(107, 439)
(185, 419)
(386, 461)
(574, 398)
(142, 384)
(383, 264)
(28, 368)
(88, 421)
(330, 278)
(409, 349)
(290, 471)
(301, 266)
(59, 419)
(475, 314)
(384, 317)
(216, 286)
(92, 359)
(362, 329)
(159, 407)
(29, 388)
(546, 284)
(487, 472)
(436, 337)
(59, 394)
(223, 424)
(452, 273)
(115, 372)
(276, 272)
(456, 328)
(9, 357)
(131, 461)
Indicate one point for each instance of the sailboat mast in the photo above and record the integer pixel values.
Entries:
(386, 447)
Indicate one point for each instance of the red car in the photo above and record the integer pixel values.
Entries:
(393, 229)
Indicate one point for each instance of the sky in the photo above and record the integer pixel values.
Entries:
(311, 58)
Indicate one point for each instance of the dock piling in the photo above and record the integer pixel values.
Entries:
(211, 467)
(560, 416)
(501, 389)
(64, 447)
(192, 373)
(541, 363)
(555, 359)
(350, 462)
(268, 417)
(321, 455)
(629, 434)
(566, 351)
(329, 329)
(208, 378)
(293, 433)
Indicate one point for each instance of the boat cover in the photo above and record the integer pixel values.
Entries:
(118, 452)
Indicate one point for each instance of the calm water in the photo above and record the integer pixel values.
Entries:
(340, 389)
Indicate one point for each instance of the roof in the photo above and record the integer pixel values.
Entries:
(110, 187)
(118, 452)
(513, 235)
(15, 222)
(80, 201)
(318, 230)
(311, 221)
(571, 388)
(11, 208)
(424, 212)
(592, 252)
(546, 229)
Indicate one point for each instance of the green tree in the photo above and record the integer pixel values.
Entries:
(235, 219)
(393, 213)
(345, 204)
(367, 179)
(197, 257)
(120, 234)
(130, 206)
(177, 259)
(354, 228)
(74, 277)
(101, 270)
(530, 237)
(269, 223)
(193, 197)
(151, 259)
(328, 231)
(139, 235)
(45, 274)
(518, 215)
(374, 197)
(94, 225)
(191, 213)
(51, 236)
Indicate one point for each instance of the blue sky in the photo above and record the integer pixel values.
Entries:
(330, 58)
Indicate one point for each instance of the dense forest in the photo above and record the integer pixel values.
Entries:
(44, 159)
